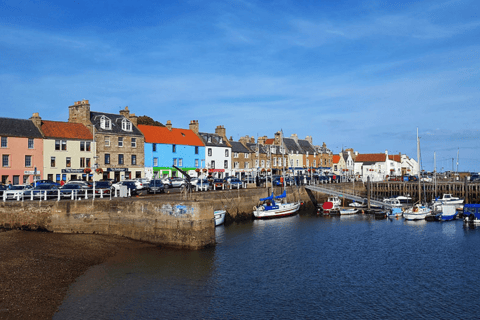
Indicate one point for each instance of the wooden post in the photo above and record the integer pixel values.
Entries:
(369, 190)
(466, 190)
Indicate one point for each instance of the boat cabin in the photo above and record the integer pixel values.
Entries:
(472, 211)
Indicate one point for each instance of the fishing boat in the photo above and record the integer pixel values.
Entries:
(396, 212)
(329, 207)
(356, 204)
(346, 211)
(447, 199)
(335, 200)
(219, 217)
(392, 202)
(270, 208)
(449, 212)
(417, 212)
(471, 214)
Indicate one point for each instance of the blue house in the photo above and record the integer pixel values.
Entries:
(167, 146)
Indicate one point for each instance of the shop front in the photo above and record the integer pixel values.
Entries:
(169, 172)
(66, 175)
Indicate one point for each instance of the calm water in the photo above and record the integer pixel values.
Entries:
(301, 267)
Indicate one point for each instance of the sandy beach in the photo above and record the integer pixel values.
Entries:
(36, 268)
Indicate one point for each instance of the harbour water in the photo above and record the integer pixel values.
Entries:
(301, 267)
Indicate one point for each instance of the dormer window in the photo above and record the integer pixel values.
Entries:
(126, 125)
(221, 140)
(105, 123)
(209, 140)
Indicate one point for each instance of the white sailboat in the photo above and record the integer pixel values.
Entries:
(418, 211)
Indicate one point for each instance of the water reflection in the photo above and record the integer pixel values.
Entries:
(128, 282)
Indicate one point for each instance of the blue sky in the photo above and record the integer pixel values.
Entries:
(352, 74)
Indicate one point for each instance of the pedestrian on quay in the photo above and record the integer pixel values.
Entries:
(62, 183)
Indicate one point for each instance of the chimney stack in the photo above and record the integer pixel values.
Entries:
(169, 125)
(37, 121)
(194, 126)
(220, 130)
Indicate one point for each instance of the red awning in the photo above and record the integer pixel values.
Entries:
(216, 170)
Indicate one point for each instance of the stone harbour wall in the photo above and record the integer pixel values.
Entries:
(186, 224)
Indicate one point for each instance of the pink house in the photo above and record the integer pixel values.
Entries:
(21, 151)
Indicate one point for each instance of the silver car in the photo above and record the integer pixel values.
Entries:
(16, 191)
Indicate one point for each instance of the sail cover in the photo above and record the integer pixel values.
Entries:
(267, 198)
(283, 195)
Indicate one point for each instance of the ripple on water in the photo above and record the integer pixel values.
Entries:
(301, 267)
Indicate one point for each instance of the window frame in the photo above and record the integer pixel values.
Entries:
(5, 161)
(4, 142)
(30, 159)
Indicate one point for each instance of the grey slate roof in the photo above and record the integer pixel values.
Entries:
(19, 128)
(239, 147)
(291, 145)
(306, 146)
(214, 140)
(116, 120)
(263, 148)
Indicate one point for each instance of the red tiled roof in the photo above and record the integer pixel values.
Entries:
(65, 130)
(269, 141)
(336, 158)
(395, 157)
(371, 157)
(155, 134)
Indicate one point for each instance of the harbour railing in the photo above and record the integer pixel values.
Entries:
(44, 195)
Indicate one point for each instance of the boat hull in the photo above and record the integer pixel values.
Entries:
(219, 217)
(283, 210)
(348, 211)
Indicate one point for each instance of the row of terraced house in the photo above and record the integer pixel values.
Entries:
(98, 145)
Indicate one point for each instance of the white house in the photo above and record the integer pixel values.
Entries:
(217, 153)
(378, 166)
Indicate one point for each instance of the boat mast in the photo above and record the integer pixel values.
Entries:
(456, 171)
(419, 170)
(435, 172)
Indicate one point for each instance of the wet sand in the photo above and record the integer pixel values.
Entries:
(36, 268)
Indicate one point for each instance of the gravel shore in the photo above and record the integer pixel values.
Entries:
(36, 268)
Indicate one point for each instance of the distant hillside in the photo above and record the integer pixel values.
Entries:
(149, 121)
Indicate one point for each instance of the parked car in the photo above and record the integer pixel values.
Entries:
(177, 182)
(142, 183)
(42, 182)
(67, 190)
(234, 183)
(81, 183)
(167, 183)
(40, 190)
(138, 184)
(2, 188)
(156, 186)
(104, 187)
(16, 190)
(202, 184)
(217, 183)
(129, 184)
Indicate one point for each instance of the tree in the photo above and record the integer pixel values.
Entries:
(149, 121)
